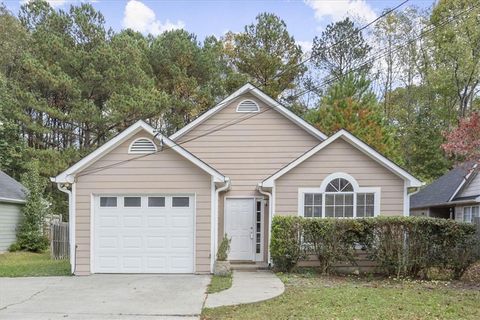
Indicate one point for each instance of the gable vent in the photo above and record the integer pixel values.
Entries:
(142, 145)
(248, 106)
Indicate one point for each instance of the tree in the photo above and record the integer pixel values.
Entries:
(350, 104)
(341, 49)
(267, 54)
(463, 142)
(30, 234)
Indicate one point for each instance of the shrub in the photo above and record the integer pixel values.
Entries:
(400, 246)
(30, 235)
(286, 245)
(223, 249)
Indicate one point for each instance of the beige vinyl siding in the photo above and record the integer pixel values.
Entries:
(251, 150)
(472, 189)
(339, 156)
(165, 172)
(10, 216)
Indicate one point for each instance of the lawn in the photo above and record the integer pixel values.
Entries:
(219, 283)
(316, 297)
(27, 264)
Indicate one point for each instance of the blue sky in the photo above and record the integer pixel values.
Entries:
(304, 18)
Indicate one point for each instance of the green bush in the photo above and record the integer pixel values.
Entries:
(400, 246)
(286, 245)
(223, 249)
(30, 234)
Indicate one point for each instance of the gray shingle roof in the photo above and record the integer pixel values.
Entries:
(10, 188)
(441, 190)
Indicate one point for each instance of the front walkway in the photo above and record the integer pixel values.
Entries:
(247, 287)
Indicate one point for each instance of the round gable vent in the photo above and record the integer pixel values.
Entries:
(248, 106)
(142, 145)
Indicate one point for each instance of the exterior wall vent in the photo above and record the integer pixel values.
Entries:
(248, 106)
(142, 145)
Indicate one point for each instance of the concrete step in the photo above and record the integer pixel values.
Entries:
(248, 266)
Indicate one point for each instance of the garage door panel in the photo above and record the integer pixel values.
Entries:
(144, 239)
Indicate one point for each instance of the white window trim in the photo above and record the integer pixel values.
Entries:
(141, 152)
(471, 212)
(249, 100)
(356, 189)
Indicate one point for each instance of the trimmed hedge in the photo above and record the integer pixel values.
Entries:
(400, 246)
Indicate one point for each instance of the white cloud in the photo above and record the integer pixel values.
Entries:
(305, 45)
(336, 10)
(53, 3)
(139, 17)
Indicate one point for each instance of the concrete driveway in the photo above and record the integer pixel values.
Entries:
(103, 297)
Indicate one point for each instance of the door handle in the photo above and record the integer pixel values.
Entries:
(251, 235)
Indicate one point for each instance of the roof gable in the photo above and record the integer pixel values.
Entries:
(10, 189)
(68, 175)
(444, 189)
(355, 142)
(249, 88)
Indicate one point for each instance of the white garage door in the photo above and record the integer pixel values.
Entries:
(143, 234)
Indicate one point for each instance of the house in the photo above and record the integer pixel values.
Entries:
(455, 195)
(12, 198)
(146, 203)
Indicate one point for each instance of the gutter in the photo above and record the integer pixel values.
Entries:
(63, 187)
(225, 187)
(10, 200)
(270, 210)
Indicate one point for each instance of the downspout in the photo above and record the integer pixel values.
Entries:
(270, 210)
(215, 227)
(71, 222)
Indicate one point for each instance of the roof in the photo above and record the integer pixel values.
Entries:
(10, 189)
(357, 143)
(68, 175)
(444, 189)
(250, 88)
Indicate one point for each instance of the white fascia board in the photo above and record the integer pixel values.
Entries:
(260, 95)
(357, 143)
(123, 136)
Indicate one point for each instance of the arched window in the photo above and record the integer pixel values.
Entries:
(339, 196)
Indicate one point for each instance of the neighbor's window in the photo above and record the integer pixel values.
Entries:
(470, 212)
(156, 201)
(180, 202)
(312, 205)
(132, 202)
(108, 201)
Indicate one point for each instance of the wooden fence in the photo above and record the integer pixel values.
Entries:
(59, 244)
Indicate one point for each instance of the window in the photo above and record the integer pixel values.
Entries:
(312, 205)
(470, 212)
(156, 201)
(365, 204)
(339, 196)
(248, 106)
(142, 145)
(258, 226)
(108, 201)
(132, 202)
(180, 202)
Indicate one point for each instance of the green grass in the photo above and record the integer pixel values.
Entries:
(219, 283)
(28, 264)
(315, 297)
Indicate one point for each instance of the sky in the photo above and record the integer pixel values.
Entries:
(305, 19)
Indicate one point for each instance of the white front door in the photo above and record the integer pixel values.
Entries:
(239, 223)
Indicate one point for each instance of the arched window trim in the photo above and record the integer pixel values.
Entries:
(247, 100)
(141, 152)
(356, 190)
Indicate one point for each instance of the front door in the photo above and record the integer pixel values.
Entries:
(239, 223)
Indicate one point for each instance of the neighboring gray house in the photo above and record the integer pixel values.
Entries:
(455, 195)
(12, 198)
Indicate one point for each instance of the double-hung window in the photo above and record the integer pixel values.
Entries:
(470, 212)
